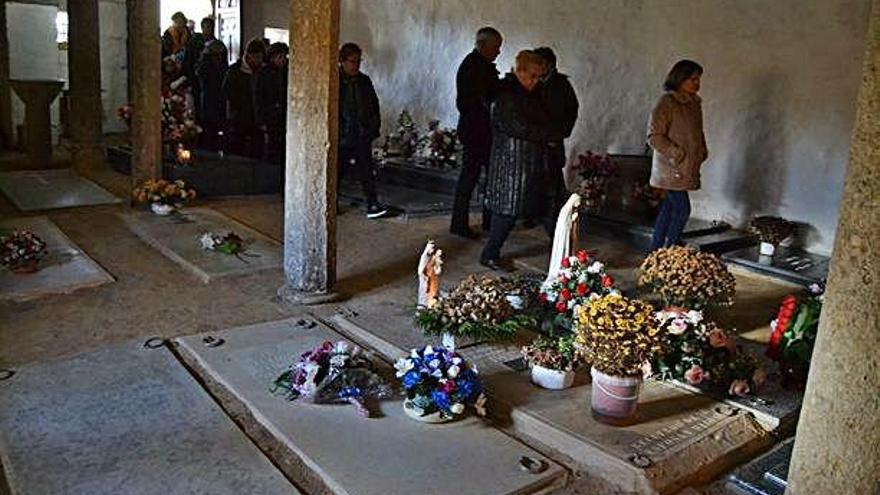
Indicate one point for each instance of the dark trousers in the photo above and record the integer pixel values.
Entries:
(475, 158)
(246, 140)
(277, 139)
(671, 220)
(357, 162)
(500, 227)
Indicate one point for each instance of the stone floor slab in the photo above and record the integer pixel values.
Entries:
(677, 439)
(177, 237)
(64, 269)
(342, 453)
(125, 419)
(790, 264)
(49, 189)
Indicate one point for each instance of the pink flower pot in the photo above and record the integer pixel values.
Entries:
(614, 397)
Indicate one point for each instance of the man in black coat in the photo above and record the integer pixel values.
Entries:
(359, 124)
(240, 90)
(211, 72)
(272, 100)
(476, 85)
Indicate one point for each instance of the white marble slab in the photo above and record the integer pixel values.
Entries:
(65, 268)
(32, 190)
(346, 454)
(177, 237)
(124, 420)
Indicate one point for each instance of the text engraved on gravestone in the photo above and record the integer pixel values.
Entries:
(677, 435)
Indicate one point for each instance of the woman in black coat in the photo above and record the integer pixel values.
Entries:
(520, 131)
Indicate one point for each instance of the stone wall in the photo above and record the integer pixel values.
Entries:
(779, 89)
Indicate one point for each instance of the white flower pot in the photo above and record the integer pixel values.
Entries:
(418, 414)
(161, 209)
(767, 249)
(552, 379)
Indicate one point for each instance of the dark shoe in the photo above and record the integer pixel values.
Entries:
(466, 232)
(376, 211)
(497, 266)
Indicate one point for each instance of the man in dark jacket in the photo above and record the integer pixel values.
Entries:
(359, 123)
(240, 90)
(476, 84)
(272, 100)
(210, 72)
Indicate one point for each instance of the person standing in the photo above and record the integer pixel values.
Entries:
(211, 72)
(675, 132)
(272, 100)
(176, 37)
(359, 124)
(476, 84)
(240, 91)
(520, 132)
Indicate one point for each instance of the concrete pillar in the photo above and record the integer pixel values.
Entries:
(312, 133)
(837, 447)
(84, 72)
(146, 126)
(6, 131)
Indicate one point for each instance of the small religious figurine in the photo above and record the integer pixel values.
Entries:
(430, 268)
(565, 236)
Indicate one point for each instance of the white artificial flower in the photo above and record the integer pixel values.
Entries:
(571, 303)
(453, 371)
(515, 301)
(403, 365)
(429, 350)
(341, 347)
(438, 373)
(595, 267)
(456, 360)
(815, 288)
(338, 361)
(207, 241)
(615, 292)
(594, 296)
(434, 363)
(566, 272)
(480, 405)
(573, 261)
(695, 316)
(414, 354)
(677, 327)
(773, 325)
(457, 408)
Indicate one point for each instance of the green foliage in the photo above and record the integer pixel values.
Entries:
(432, 322)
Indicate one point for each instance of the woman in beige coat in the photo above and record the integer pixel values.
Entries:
(675, 132)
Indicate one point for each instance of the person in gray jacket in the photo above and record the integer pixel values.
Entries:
(675, 132)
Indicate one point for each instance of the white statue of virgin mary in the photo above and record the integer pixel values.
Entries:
(565, 236)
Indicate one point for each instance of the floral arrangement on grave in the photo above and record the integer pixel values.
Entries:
(334, 373)
(645, 196)
(404, 140)
(578, 280)
(439, 385)
(593, 173)
(437, 147)
(685, 277)
(230, 244)
(124, 113)
(793, 334)
(617, 336)
(700, 353)
(479, 307)
(162, 195)
(179, 128)
(553, 361)
(771, 231)
(21, 251)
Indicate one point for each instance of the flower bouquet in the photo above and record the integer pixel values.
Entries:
(404, 139)
(643, 195)
(437, 147)
(771, 231)
(162, 195)
(685, 277)
(617, 336)
(479, 308)
(794, 335)
(579, 280)
(179, 128)
(593, 172)
(696, 351)
(552, 361)
(334, 373)
(231, 244)
(21, 251)
(439, 385)
(124, 113)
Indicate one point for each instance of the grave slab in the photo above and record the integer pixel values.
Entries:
(125, 419)
(789, 264)
(33, 190)
(677, 439)
(177, 237)
(332, 450)
(65, 268)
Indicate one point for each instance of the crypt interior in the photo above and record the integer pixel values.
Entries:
(234, 264)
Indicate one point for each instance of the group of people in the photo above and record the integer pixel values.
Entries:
(240, 107)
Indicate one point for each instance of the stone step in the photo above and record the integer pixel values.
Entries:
(125, 419)
(329, 449)
(678, 439)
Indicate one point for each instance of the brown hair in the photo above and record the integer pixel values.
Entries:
(681, 72)
(526, 59)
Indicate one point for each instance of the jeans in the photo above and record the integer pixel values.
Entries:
(500, 227)
(475, 159)
(671, 220)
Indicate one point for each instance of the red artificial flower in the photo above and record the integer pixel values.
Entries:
(786, 311)
(582, 256)
(582, 289)
(607, 281)
(542, 297)
(565, 294)
(561, 307)
(563, 280)
(565, 262)
(448, 386)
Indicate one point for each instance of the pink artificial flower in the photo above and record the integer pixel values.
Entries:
(677, 327)
(739, 388)
(647, 370)
(695, 375)
(717, 338)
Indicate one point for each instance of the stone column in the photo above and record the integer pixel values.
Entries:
(6, 131)
(146, 128)
(84, 73)
(837, 447)
(312, 129)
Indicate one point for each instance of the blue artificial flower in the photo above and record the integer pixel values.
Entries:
(350, 392)
(468, 386)
(441, 400)
(411, 379)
